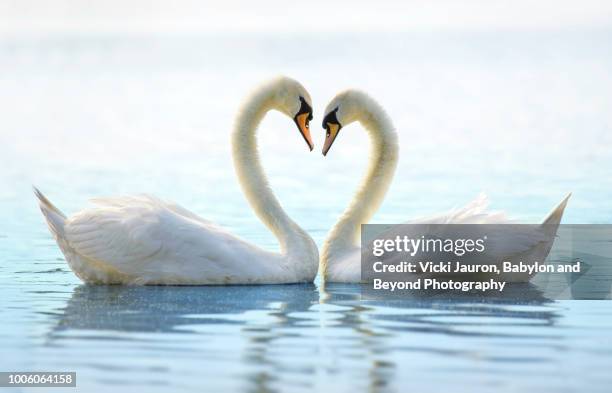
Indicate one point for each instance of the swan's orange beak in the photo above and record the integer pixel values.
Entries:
(330, 137)
(302, 120)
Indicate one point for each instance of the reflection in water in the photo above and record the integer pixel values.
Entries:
(263, 313)
(381, 322)
(427, 304)
(165, 308)
(289, 335)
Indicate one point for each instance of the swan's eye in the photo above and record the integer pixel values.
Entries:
(327, 134)
(305, 108)
(331, 118)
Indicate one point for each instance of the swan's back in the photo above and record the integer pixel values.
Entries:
(504, 242)
(144, 240)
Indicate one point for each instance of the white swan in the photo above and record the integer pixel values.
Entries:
(340, 254)
(144, 240)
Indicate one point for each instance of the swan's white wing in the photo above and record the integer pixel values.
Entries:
(503, 241)
(151, 239)
(507, 241)
(124, 201)
(527, 243)
(475, 212)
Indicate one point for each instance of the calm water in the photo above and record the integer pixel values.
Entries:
(523, 117)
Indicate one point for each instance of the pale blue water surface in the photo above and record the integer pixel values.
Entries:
(524, 117)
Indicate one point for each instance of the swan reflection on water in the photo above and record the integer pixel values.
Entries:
(292, 332)
(167, 308)
(435, 313)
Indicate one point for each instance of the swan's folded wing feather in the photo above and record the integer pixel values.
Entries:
(129, 233)
(503, 241)
(474, 212)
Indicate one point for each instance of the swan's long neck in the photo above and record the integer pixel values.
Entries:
(345, 235)
(294, 241)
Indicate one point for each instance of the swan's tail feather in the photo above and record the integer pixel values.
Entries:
(551, 222)
(55, 218)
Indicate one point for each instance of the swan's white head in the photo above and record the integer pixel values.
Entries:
(345, 108)
(292, 99)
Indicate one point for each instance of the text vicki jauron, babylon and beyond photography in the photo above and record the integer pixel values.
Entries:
(458, 267)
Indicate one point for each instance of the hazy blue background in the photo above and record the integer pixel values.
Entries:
(109, 97)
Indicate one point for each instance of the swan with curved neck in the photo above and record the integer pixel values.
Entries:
(144, 240)
(340, 254)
